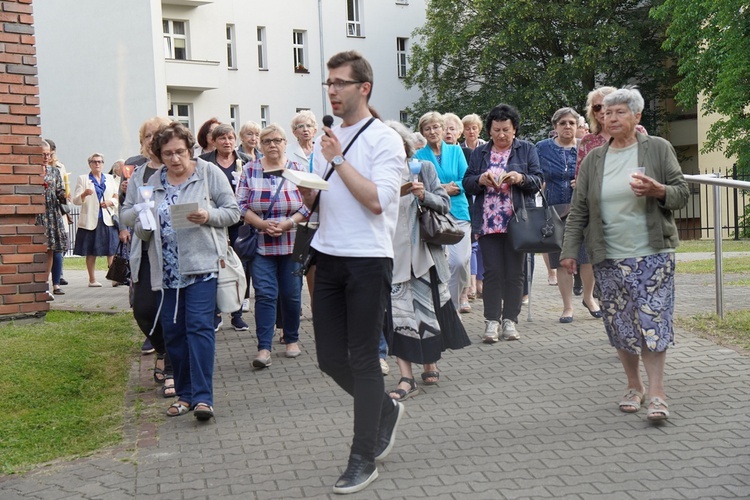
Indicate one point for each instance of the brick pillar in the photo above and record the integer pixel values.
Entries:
(23, 246)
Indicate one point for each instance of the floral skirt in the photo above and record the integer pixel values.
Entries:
(637, 298)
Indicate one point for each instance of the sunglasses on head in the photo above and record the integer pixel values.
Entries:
(597, 107)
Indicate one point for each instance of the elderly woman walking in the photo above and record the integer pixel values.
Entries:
(624, 197)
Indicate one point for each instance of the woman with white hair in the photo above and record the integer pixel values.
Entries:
(304, 128)
(424, 318)
(625, 194)
(249, 138)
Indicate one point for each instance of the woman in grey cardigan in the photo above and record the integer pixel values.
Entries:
(184, 261)
(624, 197)
(425, 321)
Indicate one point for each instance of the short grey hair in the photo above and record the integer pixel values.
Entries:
(407, 136)
(222, 129)
(560, 113)
(303, 116)
(274, 127)
(627, 95)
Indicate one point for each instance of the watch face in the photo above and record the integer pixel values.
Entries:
(338, 160)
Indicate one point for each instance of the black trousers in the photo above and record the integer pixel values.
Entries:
(349, 304)
(503, 277)
(145, 307)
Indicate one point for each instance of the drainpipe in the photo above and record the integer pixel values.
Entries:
(323, 94)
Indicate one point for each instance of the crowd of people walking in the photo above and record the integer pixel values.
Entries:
(375, 283)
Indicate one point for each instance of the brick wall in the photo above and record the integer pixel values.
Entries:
(23, 257)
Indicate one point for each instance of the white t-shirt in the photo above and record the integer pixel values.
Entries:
(347, 228)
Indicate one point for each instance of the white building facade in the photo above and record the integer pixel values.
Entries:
(105, 66)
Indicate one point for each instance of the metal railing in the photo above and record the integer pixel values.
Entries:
(717, 183)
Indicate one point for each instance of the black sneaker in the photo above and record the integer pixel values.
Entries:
(239, 325)
(146, 347)
(63, 281)
(218, 322)
(387, 432)
(358, 474)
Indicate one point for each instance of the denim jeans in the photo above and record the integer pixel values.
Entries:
(190, 339)
(57, 268)
(349, 305)
(273, 279)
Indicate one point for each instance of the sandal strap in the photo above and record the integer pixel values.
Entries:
(401, 394)
(412, 383)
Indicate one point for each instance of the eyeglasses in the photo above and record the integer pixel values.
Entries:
(340, 84)
(597, 107)
(169, 154)
(432, 128)
(47, 155)
(95, 162)
(303, 125)
(277, 141)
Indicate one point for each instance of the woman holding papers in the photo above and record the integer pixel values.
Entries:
(273, 205)
(184, 252)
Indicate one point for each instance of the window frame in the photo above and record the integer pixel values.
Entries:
(401, 56)
(265, 115)
(170, 36)
(231, 47)
(354, 27)
(262, 48)
(234, 118)
(299, 51)
(186, 120)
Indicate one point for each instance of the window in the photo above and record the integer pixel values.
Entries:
(402, 2)
(298, 46)
(262, 58)
(181, 113)
(401, 57)
(231, 48)
(354, 18)
(175, 39)
(403, 116)
(234, 117)
(265, 116)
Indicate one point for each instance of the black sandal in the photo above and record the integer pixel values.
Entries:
(402, 394)
(159, 375)
(432, 374)
(166, 388)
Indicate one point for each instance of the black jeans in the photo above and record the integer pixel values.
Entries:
(503, 277)
(145, 307)
(349, 304)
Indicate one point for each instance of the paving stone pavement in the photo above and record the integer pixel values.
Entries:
(535, 418)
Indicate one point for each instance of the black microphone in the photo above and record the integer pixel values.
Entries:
(327, 122)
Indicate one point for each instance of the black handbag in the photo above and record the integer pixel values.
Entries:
(302, 253)
(438, 229)
(119, 271)
(246, 243)
(536, 229)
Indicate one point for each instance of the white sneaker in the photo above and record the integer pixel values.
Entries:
(509, 330)
(246, 305)
(490, 331)
(384, 367)
(50, 297)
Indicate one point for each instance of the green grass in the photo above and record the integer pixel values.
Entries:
(79, 263)
(63, 383)
(729, 265)
(691, 246)
(733, 330)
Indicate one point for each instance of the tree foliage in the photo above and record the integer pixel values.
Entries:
(711, 39)
(539, 56)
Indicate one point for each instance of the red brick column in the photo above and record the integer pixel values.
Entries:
(23, 257)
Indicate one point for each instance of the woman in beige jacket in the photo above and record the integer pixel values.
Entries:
(96, 194)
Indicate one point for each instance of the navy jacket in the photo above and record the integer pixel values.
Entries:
(523, 159)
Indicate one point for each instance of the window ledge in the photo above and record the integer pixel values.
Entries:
(302, 71)
(355, 36)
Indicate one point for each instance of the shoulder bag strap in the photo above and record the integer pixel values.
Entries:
(275, 197)
(213, 229)
(331, 169)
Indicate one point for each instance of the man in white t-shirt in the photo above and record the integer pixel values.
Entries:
(354, 260)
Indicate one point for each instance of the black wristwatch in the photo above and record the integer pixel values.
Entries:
(337, 160)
